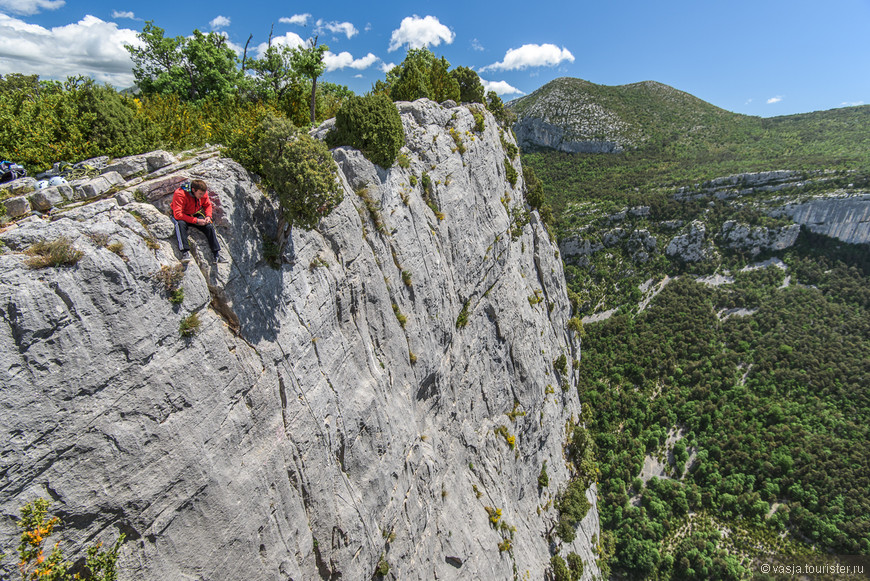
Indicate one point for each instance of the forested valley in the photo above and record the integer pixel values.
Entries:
(727, 399)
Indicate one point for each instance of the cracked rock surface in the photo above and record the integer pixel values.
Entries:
(307, 430)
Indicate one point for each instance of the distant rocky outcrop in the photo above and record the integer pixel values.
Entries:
(691, 245)
(784, 196)
(563, 116)
(756, 239)
(733, 186)
(533, 132)
(375, 400)
(840, 216)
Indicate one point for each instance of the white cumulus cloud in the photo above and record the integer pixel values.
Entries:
(773, 100)
(532, 55)
(88, 47)
(345, 28)
(344, 60)
(852, 103)
(475, 44)
(416, 32)
(27, 7)
(219, 22)
(500, 88)
(387, 67)
(123, 14)
(300, 19)
(290, 39)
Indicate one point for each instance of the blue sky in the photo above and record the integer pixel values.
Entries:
(759, 57)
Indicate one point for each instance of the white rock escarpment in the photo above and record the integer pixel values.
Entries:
(328, 415)
(845, 217)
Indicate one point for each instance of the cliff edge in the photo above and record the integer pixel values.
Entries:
(387, 397)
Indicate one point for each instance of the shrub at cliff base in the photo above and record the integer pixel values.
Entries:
(372, 125)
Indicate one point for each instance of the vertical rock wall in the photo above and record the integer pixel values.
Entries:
(387, 396)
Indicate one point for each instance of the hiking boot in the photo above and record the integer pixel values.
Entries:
(220, 258)
(185, 256)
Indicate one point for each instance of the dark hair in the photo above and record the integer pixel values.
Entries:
(198, 185)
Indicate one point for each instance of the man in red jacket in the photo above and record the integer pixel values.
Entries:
(191, 207)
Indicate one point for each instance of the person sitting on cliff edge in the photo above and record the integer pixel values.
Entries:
(191, 207)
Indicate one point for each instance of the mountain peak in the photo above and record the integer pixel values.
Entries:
(575, 115)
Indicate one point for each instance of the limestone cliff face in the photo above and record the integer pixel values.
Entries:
(787, 195)
(330, 414)
(534, 132)
(845, 217)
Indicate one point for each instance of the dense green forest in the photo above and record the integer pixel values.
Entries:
(772, 409)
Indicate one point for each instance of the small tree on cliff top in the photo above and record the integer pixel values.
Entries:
(301, 171)
(371, 124)
(308, 62)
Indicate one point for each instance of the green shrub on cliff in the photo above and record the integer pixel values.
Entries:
(46, 121)
(300, 170)
(59, 252)
(372, 125)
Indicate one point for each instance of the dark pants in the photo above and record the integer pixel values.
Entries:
(181, 235)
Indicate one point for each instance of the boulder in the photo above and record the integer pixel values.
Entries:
(16, 207)
(92, 187)
(740, 236)
(18, 187)
(691, 245)
(159, 159)
(46, 198)
(140, 164)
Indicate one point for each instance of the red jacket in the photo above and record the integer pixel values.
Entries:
(185, 205)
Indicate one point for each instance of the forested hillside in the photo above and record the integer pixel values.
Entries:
(727, 393)
(753, 396)
(681, 140)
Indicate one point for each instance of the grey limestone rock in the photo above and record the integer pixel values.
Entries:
(16, 207)
(159, 190)
(691, 245)
(671, 224)
(641, 244)
(18, 187)
(577, 250)
(756, 239)
(93, 187)
(96, 162)
(845, 217)
(733, 186)
(46, 198)
(307, 430)
(139, 164)
(534, 132)
(614, 237)
(159, 159)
